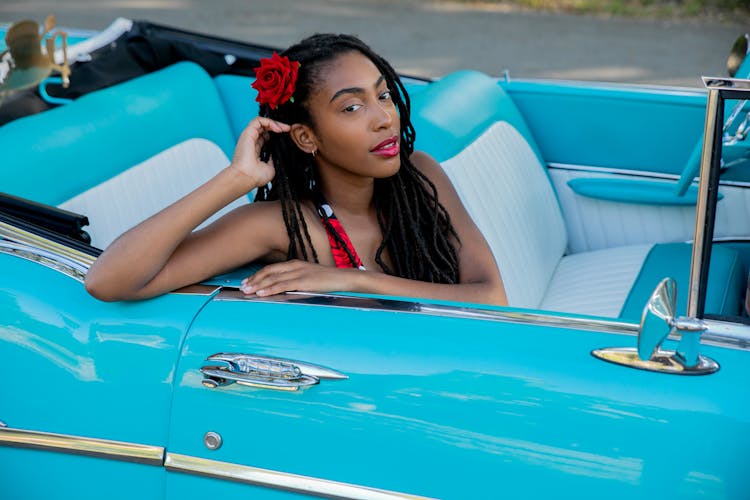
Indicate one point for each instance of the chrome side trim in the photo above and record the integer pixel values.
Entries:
(394, 305)
(13, 233)
(157, 455)
(196, 290)
(726, 334)
(67, 266)
(280, 480)
(78, 445)
(719, 333)
(634, 173)
(608, 170)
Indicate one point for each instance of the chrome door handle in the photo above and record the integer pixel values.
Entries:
(264, 372)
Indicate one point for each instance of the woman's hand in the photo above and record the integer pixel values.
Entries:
(246, 157)
(299, 276)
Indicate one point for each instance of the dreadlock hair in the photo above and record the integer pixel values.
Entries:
(416, 228)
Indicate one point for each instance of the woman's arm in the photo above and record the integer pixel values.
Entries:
(480, 280)
(301, 276)
(162, 253)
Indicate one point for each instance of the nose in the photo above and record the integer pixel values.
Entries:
(383, 116)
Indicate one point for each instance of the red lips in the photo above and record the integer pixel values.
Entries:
(388, 147)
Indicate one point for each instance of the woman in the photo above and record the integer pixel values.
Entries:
(331, 149)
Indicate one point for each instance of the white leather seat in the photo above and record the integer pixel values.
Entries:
(127, 199)
(509, 195)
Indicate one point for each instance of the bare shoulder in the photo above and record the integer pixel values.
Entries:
(428, 166)
(431, 169)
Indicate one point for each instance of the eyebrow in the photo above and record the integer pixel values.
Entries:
(355, 90)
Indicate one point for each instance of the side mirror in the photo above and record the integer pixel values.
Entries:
(737, 56)
(658, 321)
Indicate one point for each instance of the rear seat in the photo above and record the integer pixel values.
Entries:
(468, 122)
(123, 153)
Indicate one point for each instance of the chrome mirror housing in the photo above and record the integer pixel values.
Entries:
(658, 321)
(657, 318)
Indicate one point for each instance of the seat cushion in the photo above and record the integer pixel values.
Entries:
(726, 279)
(508, 195)
(125, 200)
(595, 283)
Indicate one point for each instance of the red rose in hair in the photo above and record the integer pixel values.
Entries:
(275, 80)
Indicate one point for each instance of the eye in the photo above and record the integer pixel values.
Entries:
(385, 96)
(352, 108)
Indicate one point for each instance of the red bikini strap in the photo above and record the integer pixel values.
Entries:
(333, 227)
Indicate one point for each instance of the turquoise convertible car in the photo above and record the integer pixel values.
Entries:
(621, 367)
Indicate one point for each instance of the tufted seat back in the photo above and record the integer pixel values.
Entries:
(467, 121)
(474, 129)
(509, 196)
(121, 154)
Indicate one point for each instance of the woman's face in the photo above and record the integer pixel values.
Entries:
(357, 129)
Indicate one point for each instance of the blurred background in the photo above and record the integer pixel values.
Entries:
(631, 41)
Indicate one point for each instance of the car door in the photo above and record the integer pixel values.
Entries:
(86, 389)
(447, 402)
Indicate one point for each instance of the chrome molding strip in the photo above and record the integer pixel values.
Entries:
(156, 455)
(719, 333)
(13, 233)
(67, 266)
(393, 305)
(634, 173)
(726, 334)
(197, 290)
(77, 445)
(608, 170)
(280, 480)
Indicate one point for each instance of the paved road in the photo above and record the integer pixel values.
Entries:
(430, 37)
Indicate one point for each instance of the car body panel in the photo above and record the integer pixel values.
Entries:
(546, 415)
(80, 367)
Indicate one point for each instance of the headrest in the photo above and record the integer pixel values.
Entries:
(52, 156)
(452, 112)
(239, 100)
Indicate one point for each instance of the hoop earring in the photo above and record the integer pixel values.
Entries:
(310, 177)
(313, 152)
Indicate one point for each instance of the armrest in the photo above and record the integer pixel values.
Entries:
(638, 191)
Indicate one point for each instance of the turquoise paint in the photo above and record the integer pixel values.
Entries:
(452, 112)
(238, 98)
(725, 279)
(36, 474)
(458, 408)
(692, 166)
(615, 126)
(74, 365)
(638, 191)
